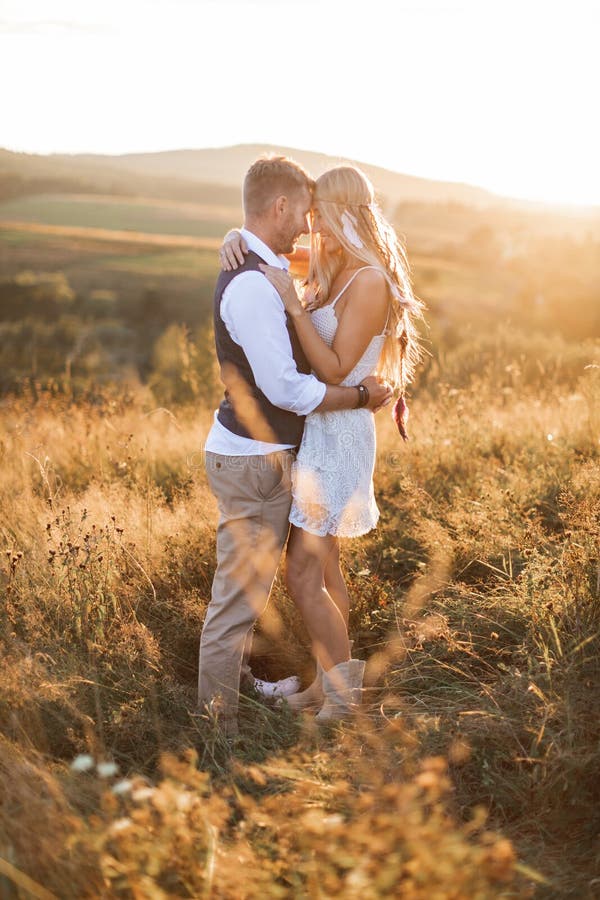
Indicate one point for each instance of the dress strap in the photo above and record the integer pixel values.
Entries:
(349, 282)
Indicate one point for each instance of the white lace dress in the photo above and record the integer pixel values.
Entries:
(332, 477)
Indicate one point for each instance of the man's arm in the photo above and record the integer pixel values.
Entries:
(338, 397)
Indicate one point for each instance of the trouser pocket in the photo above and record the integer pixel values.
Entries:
(272, 475)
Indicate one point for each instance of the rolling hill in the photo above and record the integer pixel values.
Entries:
(227, 166)
(203, 174)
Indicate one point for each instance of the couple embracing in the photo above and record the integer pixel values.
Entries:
(291, 452)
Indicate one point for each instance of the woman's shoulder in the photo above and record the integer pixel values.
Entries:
(367, 300)
(369, 282)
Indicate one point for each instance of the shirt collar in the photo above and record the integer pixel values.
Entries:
(260, 248)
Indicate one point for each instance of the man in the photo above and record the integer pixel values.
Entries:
(250, 448)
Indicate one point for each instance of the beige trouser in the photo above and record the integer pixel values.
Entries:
(254, 497)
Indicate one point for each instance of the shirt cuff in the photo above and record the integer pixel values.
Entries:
(311, 397)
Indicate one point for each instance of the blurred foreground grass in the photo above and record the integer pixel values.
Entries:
(473, 770)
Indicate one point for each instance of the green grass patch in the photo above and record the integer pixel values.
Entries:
(154, 218)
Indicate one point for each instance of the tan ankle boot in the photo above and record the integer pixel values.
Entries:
(312, 697)
(342, 685)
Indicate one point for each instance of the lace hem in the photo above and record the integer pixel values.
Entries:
(335, 526)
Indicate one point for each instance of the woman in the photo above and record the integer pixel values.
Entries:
(356, 318)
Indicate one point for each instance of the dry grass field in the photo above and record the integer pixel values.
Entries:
(473, 770)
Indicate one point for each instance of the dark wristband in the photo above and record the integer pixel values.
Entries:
(363, 396)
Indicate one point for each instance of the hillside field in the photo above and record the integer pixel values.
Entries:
(472, 770)
(122, 214)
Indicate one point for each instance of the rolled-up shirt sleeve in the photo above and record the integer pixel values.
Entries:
(254, 315)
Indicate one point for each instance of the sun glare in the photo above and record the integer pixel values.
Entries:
(473, 94)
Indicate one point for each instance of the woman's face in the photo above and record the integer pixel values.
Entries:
(329, 243)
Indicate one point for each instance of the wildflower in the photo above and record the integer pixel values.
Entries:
(142, 794)
(107, 769)
(121, 824)
(122, 787)
(82, 763)
(184, 801)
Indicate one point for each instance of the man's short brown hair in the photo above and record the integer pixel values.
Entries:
(270, 177)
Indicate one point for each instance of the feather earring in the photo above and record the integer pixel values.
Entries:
(400, 416)
(349, 223)
(400, 408)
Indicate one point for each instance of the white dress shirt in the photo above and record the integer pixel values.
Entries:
(254, 315)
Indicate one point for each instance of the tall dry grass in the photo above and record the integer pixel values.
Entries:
(472, 772)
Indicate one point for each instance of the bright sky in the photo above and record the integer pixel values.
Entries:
(498, 94)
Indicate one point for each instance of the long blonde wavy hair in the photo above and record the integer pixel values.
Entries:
(345, 194)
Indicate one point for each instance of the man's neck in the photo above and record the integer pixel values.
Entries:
(263, 233)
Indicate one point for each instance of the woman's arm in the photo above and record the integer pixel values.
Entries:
(299, 261)
(364, 316)
(234, 249)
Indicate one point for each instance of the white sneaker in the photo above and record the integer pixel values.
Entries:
(282, 688)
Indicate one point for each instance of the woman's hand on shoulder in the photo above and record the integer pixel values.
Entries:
(233, 251)
(284, 286)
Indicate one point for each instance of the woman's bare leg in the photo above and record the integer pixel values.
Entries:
(306, 563)
(335, 584)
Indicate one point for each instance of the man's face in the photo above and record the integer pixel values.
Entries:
(295, 221)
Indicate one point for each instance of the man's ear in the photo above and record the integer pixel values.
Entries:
(281, 205)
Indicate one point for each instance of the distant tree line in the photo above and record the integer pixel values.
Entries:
(13, 185)
(51, 334)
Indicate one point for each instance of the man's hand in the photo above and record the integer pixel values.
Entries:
(233, 251)
(380, 393)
